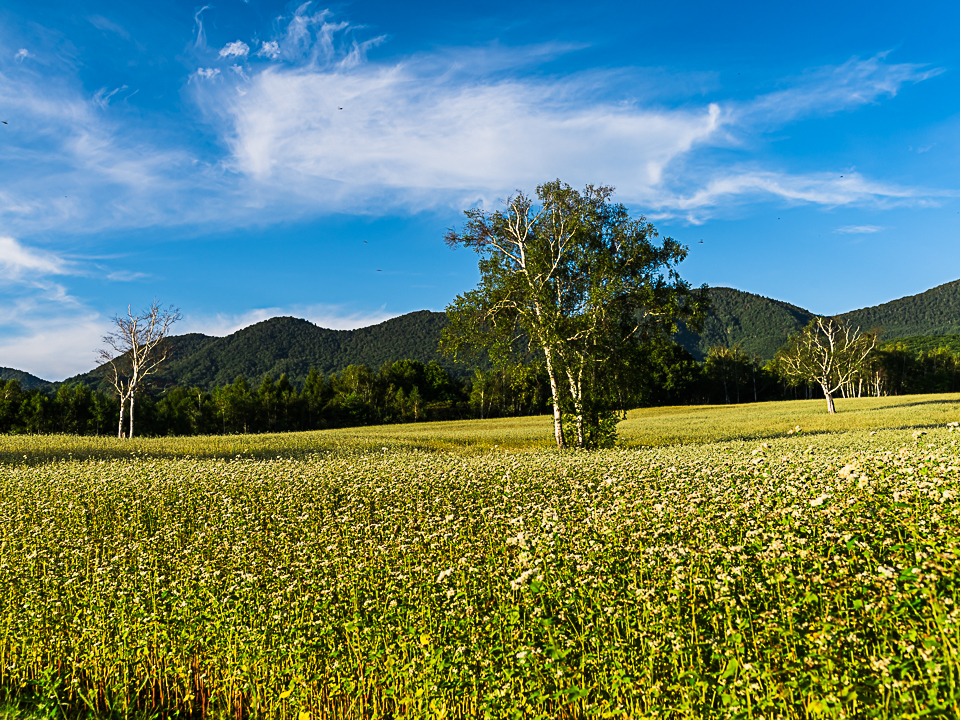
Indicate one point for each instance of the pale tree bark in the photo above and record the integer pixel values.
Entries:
(555, 389)
(135, 350)
(830, 353)
(515, 247)
(566, 279)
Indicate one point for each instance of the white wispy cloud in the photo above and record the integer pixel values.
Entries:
(736, 186)
(52, 344)
(366, 132)
(21, 55)
(237, 49)
(102, 23)
(102, 96)
(201, 41)
(331, 130)
(207, 73)
(270, 49)
(71, 165)
(126, 276)
(858, 229)
(18, 262)
(825, 90)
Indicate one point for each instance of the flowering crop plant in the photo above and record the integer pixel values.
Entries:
(809, 576)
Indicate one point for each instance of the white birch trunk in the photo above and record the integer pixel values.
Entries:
(123, 407)
(557, 417)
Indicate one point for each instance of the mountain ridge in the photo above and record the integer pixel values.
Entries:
(759, 325)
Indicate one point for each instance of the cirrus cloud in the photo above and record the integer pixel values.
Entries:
(858, 229)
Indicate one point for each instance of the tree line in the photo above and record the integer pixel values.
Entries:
(410, 391)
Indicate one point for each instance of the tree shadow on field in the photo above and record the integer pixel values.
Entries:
(914, 404)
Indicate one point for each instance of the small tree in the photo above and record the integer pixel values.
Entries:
(828, 352)
(135, 350)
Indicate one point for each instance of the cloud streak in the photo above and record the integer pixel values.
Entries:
(333, 131)
(19, 263)
(858, 229)
(827, 90)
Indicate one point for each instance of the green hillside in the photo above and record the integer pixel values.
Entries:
(926, 343)
(934, 312)
(293, 346)
(287, 345)
(760, 325)
(27, 381)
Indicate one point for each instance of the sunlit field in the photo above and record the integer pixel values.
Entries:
(641, 428)
(715, 566)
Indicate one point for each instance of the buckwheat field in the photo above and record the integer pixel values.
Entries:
(798, 576)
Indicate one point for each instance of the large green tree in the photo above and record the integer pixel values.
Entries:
(572, 277)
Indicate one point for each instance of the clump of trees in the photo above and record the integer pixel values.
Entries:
(404, 391)
(571, 281)
(134, 351)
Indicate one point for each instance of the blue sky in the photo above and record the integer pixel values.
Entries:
(249, 159)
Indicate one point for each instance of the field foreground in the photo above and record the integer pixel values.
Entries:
(804, 576)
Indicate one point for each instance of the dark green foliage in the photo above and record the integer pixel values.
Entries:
(571, 280)
(757, 325)
(934, 312)
(760, 326)
(924, 343)
(904, 371)
(290, 346)
(412, 385)
(27, 381)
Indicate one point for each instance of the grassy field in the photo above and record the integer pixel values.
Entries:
(712, 567)
(652, 427)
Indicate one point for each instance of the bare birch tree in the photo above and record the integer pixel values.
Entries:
(135, 350)
(828, 352)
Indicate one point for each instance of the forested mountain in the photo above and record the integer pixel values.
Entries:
(761, 325)
(934, 312)
(916, 344)
(287, 345)
(27, 381)
(758, 324)
(292, 346)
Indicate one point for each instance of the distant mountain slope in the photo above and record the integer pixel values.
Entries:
(27, 381)
(925, 343)
(180, 348)
(288, 345)
(292, 346)
(760, 325)
(934, 312)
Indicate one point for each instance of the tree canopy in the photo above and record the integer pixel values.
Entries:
(572, 280)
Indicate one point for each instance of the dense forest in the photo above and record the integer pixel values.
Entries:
(934, 312)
